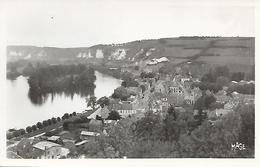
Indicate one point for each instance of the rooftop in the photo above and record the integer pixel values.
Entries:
(80, 143)
(42, 145)
(53, 138)
(86, 133)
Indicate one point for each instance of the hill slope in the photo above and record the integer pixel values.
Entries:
(233, 51)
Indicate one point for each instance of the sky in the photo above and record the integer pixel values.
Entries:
(78, 23)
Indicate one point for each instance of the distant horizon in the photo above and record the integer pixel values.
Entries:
(49, 46)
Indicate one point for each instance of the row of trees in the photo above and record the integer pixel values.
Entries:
(220, 76)
(39, 125)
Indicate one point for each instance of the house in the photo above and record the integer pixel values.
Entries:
(174, 88)
(110, 122)
(49, 150)
(124, 108)
(54, 139)
(159, 87)
(24, 148)
(183, 80)
(101, 112)
(104, 112)
(86, 135)
(189, 99)
(67, 137)
(187, 84)
(222, 111)
(222, 98)
(161, 102)
(231, 105)
(139, 114)
(244, 98)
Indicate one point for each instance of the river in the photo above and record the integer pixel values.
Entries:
(21, 112)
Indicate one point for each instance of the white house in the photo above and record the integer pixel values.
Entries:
(49, 150)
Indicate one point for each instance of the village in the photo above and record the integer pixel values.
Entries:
(147, 91)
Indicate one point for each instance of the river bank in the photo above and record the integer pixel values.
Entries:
(19, 104)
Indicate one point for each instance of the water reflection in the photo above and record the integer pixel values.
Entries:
(39, 99)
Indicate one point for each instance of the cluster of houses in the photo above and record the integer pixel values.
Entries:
(158, 96)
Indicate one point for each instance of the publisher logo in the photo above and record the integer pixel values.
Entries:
(238, 146)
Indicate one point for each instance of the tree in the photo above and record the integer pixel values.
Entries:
(34, 127)
(222, 71)
(103, 101)
(200, 106)
(49, 121)
(54, 120)
(39, 125)
(113, 115)
(124, 84)
(28, 129)
(237, 76)
(247, 133)
(65, 116)
(58, 119)
(171, 127)
(149, 127)
(222, 81)
(66, 125)
(28, 70)
(209, 100)
(45, 123)
(212, 140)
(92, 102)
(74, 113)
(121, 93)
(22, 131)
(16, 133)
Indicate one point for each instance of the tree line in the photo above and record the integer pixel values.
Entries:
(56, 78)
(39, 125)
(220, 76)
(178, 135)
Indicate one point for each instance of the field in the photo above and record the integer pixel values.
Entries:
(236, 52)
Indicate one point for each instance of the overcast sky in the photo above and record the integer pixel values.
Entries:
(79, 23)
